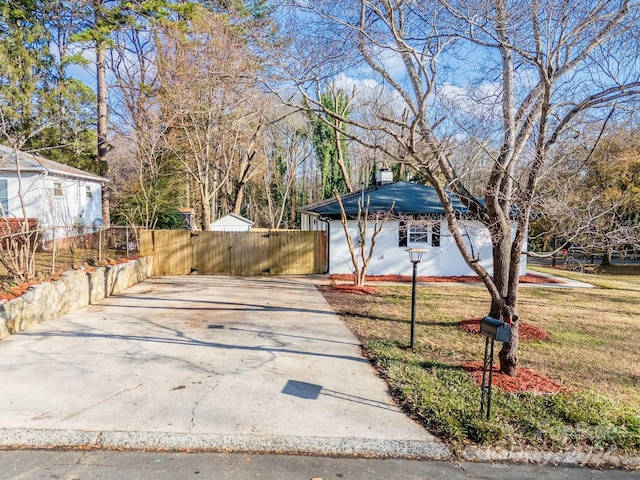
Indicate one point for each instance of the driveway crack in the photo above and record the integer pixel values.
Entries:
(196, 404)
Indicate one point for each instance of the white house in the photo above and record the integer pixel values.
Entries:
(417, 221)
(54, 194)
(231, 223)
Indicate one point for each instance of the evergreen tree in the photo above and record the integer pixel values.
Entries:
(24, 82)
(43, 109)
(329, 140)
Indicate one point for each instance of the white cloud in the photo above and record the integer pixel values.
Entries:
(479, 101)
(368, 91)
(389, 60)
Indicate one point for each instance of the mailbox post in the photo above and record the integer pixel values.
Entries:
(493, 329)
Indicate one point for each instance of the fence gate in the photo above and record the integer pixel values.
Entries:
(179, 252)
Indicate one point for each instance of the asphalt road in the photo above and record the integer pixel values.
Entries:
(109, 465)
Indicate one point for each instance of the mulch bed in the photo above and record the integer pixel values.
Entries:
(9, 292)
(525, 380)
(372, 290)
(535, 279)
(526, 331)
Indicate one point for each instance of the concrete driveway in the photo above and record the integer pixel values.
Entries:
(203, 363)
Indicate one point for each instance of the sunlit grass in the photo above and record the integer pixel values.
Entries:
(594, 351)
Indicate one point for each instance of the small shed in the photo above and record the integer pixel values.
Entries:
(231, 223)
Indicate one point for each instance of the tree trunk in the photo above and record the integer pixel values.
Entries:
(205, 206)
(509, 353)
(237, 202)
(606, 258)
(504, 308)
(340, 160)
(293, 215)
(101, 71)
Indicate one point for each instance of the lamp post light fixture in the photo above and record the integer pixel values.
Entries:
(415, 256)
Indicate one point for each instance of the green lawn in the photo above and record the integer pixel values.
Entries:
(594, 351)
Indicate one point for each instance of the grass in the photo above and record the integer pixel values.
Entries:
(445, 399)
(593, 351)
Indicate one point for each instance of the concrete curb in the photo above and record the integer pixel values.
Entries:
(208, 442)
(34, 439)
(570, 458)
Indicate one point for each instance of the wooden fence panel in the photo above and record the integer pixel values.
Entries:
(296, 254)
(249, 253)
(236, 253)
(171, 249)
(211, 254)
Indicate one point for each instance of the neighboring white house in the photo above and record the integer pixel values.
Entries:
(231, 223)
(54, 194)
(417, 221)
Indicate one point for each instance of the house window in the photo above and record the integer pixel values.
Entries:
(57, 189)
(421, 235)
(88, 190)
(418, 234)
(4, 196)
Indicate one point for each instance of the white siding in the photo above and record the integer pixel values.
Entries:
(391, 259)
(30, 195)
(230, 223)
(73, 208)
(309, 222)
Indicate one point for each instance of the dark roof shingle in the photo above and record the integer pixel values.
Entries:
(410, 199)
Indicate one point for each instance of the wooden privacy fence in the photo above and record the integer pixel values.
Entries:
(179, 252)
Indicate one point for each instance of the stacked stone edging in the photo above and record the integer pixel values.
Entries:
(73, 290)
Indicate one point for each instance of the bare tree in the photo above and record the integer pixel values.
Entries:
(102, 19)
(287, 148)
(361, 254)
(18, 236)
(144, 184)
(212, 107)
(592, 203)
(520, 75)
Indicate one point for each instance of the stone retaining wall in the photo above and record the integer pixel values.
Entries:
(73, 290)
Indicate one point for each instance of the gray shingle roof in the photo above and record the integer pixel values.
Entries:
(29, 162)
(410, 199)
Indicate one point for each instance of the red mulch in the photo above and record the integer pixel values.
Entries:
(525, 330)
(17, 291)
(537, 279)
(11, 292)
(526, 380)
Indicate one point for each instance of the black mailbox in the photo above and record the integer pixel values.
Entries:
(495, 329)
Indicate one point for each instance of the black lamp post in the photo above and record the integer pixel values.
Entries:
(415, 256)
